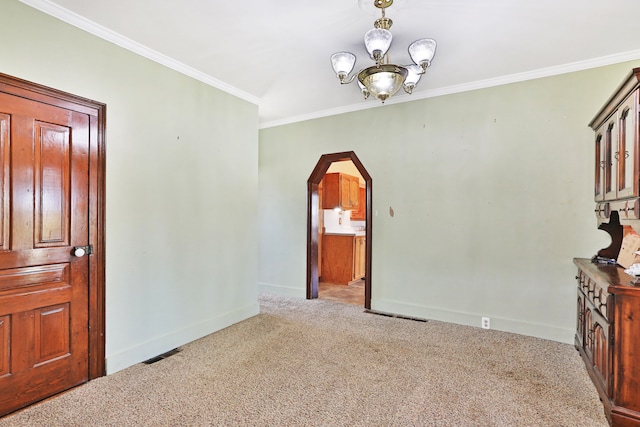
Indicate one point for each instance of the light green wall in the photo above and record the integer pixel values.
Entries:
(182, 180)
(492, 195)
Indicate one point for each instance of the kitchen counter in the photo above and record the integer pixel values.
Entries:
(345, 233)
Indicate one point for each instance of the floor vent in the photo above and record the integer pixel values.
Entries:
(397, 316)
(162, 356)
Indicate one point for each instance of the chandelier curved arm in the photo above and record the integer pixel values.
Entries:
(345, 79)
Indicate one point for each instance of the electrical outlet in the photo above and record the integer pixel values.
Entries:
(486, 323)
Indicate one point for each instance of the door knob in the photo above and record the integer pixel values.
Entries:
(80, 251)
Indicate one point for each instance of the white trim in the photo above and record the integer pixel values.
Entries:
(158, 345)
(76, 20)
(465, 87)
(538, 330)
(281, 290)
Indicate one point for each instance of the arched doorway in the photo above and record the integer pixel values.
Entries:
(313, 221)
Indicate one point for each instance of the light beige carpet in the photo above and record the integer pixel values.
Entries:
(320, 363)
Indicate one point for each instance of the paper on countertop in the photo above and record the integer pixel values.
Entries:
(633, 270)
(629, 250)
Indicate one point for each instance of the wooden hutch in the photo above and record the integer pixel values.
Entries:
(608, 302)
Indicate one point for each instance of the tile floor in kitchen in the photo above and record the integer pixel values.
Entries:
(348, 294)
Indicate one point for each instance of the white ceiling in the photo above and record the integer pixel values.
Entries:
(276, 53)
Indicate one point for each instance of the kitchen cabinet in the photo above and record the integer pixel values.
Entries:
(359, 257)
(343, 258)
(360, 214)
(341, 191)
(607, 332)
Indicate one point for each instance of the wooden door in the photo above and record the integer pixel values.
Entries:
(45, 301)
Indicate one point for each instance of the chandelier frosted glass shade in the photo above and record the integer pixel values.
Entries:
(342, 63)
(383, 81)
(377, 41)
(414, 72)
(422, 52)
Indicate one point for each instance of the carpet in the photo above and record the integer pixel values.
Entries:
(321, 363)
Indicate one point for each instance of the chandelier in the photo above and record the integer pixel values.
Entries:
(384, 79)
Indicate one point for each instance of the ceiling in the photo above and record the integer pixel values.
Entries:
(276, 53)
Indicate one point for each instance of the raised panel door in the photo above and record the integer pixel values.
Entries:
(44, 313)
(601, 169)
(580, 319)
(345, 191)
(354, 192)
(626, 157)
(5, 126)
(611, 150)
(588, 323)
(360, 214)
(597, 345)
(332, 197)
(627, 352)
(359, 258)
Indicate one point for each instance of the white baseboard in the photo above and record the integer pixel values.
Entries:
(285, 291)
(538, 330)
(156, 346)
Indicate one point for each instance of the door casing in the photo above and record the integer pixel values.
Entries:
(313, 221)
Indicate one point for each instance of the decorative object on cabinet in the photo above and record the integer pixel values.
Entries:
(608, 301)
(628, 251)
(340, 191)
(384, 79)
(616, 232)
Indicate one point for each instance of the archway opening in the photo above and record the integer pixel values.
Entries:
(313, 221)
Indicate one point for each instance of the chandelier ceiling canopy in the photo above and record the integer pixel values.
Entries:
(384, 79)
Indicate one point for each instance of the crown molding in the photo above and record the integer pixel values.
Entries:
(466, 87)
(89, 26)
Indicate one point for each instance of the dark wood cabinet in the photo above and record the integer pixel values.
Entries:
(608, 337)
(608, 300)
(617, 160)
